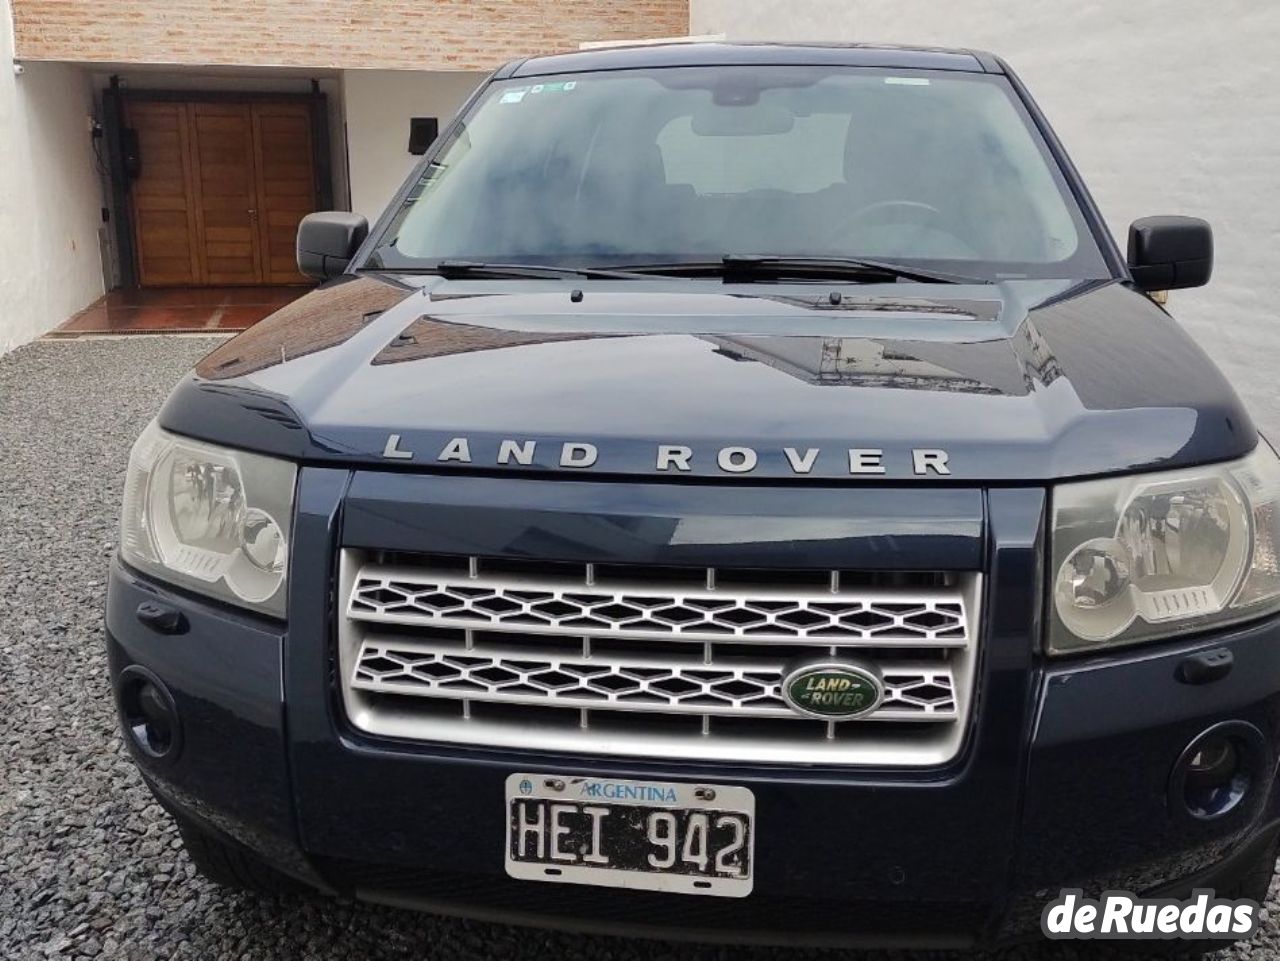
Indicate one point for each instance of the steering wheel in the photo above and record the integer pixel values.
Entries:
(896, 212)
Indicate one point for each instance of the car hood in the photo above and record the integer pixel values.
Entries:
(1019, 381)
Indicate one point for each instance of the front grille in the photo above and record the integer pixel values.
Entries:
(651, 661)
(855, 619)
(664, 684)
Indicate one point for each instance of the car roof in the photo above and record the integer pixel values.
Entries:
(703, 54)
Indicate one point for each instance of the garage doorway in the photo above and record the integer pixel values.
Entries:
(216, 186)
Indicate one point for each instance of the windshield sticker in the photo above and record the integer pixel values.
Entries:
(557, 86)
(514, 96)
(908, 81)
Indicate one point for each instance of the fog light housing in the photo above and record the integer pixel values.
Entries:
(1215, 763)
(1216, 772)
(149, 714)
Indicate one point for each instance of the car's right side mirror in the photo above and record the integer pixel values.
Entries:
(327, 241)
(1166, 253)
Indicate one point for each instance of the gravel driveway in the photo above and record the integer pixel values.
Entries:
(89, 866)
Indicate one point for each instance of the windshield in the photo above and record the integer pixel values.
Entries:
(687, 165)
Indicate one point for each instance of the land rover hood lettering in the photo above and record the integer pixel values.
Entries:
(672, 458)
(710, 381)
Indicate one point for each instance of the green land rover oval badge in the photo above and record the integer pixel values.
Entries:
(833, 691)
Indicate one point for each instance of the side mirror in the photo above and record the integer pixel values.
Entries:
(1166, 253)
(327, 241)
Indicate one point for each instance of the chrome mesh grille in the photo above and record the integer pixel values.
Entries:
(662, 684)
(510, 604)
(654, 662)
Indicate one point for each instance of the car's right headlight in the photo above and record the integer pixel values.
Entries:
(1156, 555)
(208, 518)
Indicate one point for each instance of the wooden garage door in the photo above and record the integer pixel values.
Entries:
(286, 184)
(164, 218)
(220, 191)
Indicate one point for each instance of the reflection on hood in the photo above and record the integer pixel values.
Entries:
(428, 337)
(852, 361)
(979, 368)
(317, 321)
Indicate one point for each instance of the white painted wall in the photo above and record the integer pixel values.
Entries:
(1166, 106)
(50, 201)
(379, 104)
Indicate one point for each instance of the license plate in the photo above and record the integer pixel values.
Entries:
(647, 835)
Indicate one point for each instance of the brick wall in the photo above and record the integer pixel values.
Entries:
(411, 34)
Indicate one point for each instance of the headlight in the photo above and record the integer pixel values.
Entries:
(209, 519)
(1156, 555)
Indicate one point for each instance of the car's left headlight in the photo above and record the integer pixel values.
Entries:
(209, 519)
(1156, 555)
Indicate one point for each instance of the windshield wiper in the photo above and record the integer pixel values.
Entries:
(741, 268)
(462, 269)
(751, 267)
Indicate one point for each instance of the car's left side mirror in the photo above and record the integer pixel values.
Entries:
(327, 241)
(1166, 253)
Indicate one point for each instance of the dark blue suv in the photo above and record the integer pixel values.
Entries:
(735, 492)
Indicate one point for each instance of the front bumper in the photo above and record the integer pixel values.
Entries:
(1064, 779)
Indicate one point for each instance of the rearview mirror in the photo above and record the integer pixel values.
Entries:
(327, 241)
(1166, 253)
